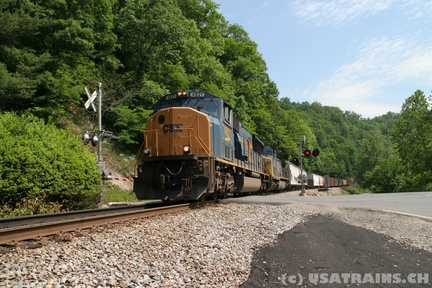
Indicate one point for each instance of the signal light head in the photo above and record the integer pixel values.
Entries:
(94, 140)
(85, 136)
(307, 153)
(315, 152)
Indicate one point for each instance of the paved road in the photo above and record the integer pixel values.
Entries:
(414, 203)
(325, 252)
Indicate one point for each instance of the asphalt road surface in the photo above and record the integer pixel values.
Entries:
(414, 203)
(326, 252)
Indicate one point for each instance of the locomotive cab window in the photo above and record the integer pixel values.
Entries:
(228, 114)
(208, 106)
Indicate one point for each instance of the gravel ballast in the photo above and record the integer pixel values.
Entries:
(210, 247)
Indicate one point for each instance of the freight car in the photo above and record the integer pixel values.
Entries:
(315, 181)
(194, 147)
(296, 177)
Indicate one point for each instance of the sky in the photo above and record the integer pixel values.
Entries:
(363, 56)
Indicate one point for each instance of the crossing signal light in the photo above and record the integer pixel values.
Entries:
(295, 161)
(94, 140)
(314, 152)
(94, 137)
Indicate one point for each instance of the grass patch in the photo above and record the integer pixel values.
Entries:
(355, 190)
(112, 193)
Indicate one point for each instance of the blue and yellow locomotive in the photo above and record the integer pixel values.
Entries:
(195, 148)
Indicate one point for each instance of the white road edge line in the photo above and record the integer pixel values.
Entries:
(409, 214)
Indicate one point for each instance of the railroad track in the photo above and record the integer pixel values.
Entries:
(22, 228)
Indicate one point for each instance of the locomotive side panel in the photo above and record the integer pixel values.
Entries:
(278, 169)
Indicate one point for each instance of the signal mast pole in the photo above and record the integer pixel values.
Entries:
(99, 148)
(302, 193)
(101, 163)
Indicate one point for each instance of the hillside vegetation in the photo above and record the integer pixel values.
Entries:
(143, 49)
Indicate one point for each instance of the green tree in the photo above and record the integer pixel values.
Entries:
(374, 147)
(386, 176)
(412, 135)
(50, 48)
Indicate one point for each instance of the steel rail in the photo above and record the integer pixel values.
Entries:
(41, 218)
(34, 226)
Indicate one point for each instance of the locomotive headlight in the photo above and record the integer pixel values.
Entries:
(146, 151)
(186, 149)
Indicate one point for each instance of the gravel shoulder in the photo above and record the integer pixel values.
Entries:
(211, 247)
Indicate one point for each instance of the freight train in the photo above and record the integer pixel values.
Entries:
(195, 148)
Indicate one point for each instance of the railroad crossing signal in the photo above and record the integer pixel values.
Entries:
(91, 98)
(97, 136)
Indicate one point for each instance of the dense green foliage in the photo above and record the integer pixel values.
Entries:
(412, 135)
(142, 49)
(42, 161)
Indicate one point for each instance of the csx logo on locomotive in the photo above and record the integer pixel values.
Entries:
(172, 128)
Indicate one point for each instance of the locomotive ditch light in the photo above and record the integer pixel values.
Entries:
(146, 151)
(186, 149)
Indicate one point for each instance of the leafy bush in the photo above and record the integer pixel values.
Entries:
(39, 161)
(31, 206)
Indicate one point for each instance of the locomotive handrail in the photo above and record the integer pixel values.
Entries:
(156, 140)
(197, 138)
(200, 141)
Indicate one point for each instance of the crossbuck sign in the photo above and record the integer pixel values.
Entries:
(91, 98)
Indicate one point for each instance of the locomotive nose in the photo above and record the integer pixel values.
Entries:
(178, 131)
